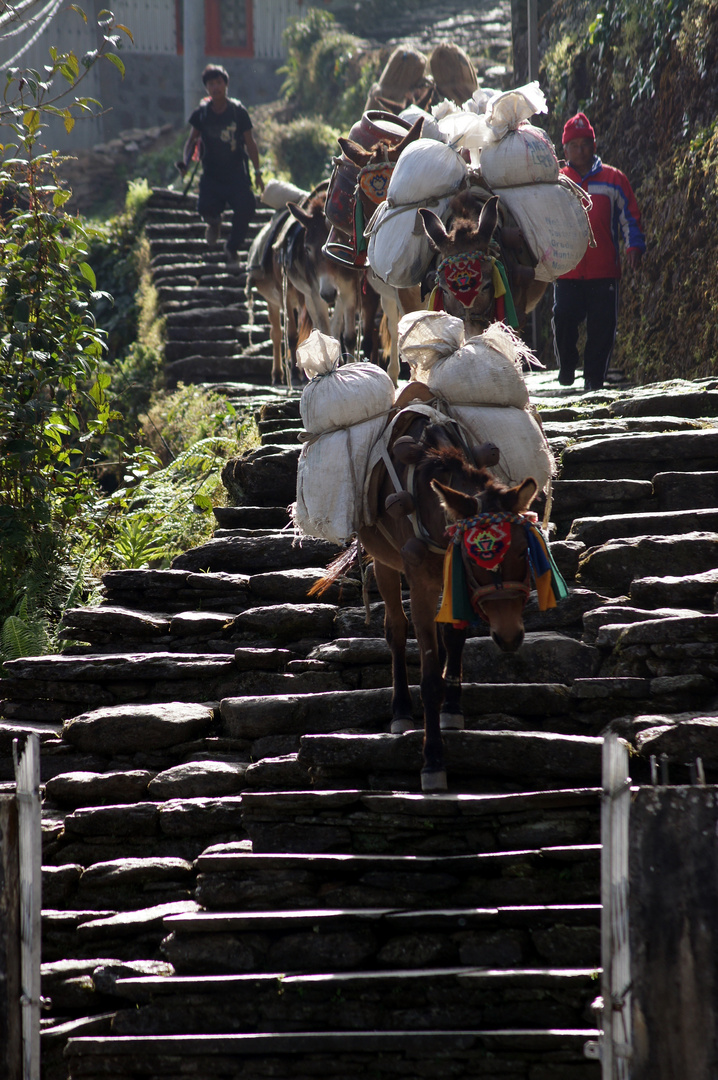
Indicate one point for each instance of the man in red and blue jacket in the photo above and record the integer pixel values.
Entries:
(590, 291)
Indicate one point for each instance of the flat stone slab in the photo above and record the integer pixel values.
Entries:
(689, 590)
(115, 621)
(640, 456)
(239, 555)
(118, 666)
(198, 778)
(345, 1056)
(292, 587)
(331, 939)
(612, 567)
(592, 531)
(529, 758)
(126, 728)
(678, 491)
(90, 789)
(287, 622)
(130, 923)
(124, 872)
(444, 998)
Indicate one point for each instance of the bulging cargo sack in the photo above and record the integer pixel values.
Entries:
(516, 152)
(554, 221)
(277, 193)
(426, 170)
(521, 442)
(330, 481)
(505, 112)
(337, 396)
(484, 370)
(428, 173)
(525, 155)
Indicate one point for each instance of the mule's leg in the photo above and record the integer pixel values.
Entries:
(396, 624)
(452, 717)
(275, 331)
(425, 589)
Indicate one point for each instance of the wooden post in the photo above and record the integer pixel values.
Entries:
(674, 932)
(27, 777)
(10, 1024)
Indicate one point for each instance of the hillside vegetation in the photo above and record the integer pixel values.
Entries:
(647, 75)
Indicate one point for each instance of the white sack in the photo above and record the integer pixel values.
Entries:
(277, 193)
(554, 223)
(430, 130)
(399, 250)
(522, 445)
(477, 374)
(426, 169)
(525, 155)
(344, 395)
(465, 130)
(330, 481)
(505, 112)
(426, 336)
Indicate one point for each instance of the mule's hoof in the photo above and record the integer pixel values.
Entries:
(433, 780)
(451, 721)
(400, 724)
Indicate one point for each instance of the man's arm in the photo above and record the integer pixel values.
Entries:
(254, 157)
(192, 140)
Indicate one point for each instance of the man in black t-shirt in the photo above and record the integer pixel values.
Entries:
(225, 130)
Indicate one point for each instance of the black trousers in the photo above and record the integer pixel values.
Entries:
(595, 302)
(216, 195)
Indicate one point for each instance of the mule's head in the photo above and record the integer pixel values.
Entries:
(465, 271)
(499, 592)
(329, 277)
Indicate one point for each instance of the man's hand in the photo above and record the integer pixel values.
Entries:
(633, 257)
(181, 167)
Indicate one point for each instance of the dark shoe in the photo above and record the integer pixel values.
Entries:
(232, 258)
(211, 233)
(565, 378)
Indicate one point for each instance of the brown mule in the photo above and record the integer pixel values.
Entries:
(465, 270)
(439, 481)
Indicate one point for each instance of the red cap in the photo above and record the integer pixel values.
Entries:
(578, 127)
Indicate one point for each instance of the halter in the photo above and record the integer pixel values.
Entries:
(463, 275)
(484, 541)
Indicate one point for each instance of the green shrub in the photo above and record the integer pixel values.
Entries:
(306, 151)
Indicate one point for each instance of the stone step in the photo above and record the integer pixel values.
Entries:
(476, 761)
(611, 568)
(464, 1055)
(446, 999)
(328, 939)
(238, 555)
(593, 531)
(365, 822)
(641, 456)
(255, 369)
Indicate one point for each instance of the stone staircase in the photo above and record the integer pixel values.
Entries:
(211, 334)
(241, 877)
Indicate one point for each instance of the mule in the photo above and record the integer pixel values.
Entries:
(287, 266)
(437, 479)
(375, 166)
(468, 252)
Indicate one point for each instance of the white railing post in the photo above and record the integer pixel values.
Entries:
(616, 1040)
(27, 777)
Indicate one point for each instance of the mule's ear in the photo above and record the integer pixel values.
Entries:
(410, 137)
(356, 153)
(456, 504)
(434, 228)
(301, 215)
(524, 495)
(489, 219)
